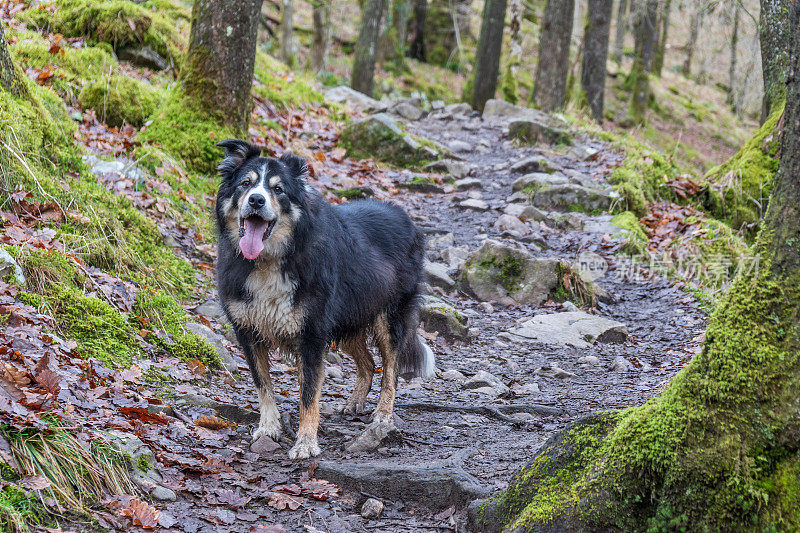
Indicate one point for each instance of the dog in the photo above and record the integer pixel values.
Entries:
(296, 273)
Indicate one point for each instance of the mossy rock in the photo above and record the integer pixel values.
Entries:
(533, 131)
(121, 100)
(633, 233)
(507, 274)
(381, 137)
(438, 315)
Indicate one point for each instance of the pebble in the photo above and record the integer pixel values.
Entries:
(619, 364)
(372, 508)
(459, 146)
(486, 308)
(334, 372)
(589, 360)
(163, 494)
(476, 204)
(569, 306)
(453, 375)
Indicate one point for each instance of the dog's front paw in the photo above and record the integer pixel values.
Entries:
(271, 430)
(354, 407)
(304, 448)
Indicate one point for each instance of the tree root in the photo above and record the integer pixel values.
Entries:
(497, 412)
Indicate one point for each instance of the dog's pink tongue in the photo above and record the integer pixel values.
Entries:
(252, 242)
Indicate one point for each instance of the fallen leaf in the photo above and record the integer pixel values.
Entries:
(213, 422)
(281, 501)
(142, 514)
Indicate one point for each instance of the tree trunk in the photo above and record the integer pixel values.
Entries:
(549, 90)
(658, 60)
(366, 47)
(487, 57)
(734, 44)
(321, 18)
(10, 79)
(622, 21)
(395, 34)
(510, 87)
(218, 70)
(417, 48)
(694, 31)
(595, 54)
(638, 81)
(719, 450)
(287, 33)
(775, 41)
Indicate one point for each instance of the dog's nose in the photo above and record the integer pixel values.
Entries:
(257, 201)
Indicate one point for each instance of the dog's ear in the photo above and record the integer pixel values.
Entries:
(236, 153)
(296, 165)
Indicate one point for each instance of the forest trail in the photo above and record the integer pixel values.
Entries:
(210, 479)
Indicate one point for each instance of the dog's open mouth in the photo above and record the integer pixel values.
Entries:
(253, 231)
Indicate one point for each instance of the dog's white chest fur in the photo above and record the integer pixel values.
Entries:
(270, 311)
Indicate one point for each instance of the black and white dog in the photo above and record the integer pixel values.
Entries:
(297, 273)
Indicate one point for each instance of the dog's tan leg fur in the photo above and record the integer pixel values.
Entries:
(306, 444)
(365, 365)
(384, 412)
(270, 421)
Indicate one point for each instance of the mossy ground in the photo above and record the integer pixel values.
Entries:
(119, 100)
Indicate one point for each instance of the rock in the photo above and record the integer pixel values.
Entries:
(457, 169)
(552, 371)
(373, 436)
(535, 181)
(355, 193)
(108, 167)
(228, 362)
(441, 241)
(438, 315)
(472, 203)
(9, 267)
(457, 110)
(475, 195)
(437, 275)
(502, 109)
(518, 197)
(423, 185)
(525, 212)
(353, 98)
(437, 104)
(334, 372)
(589, 360)
(570, 196)
(571, 307)
(371, 509)
(456, 256)
(240, 415)
(485, 379)
(379, 136)
(436, 485)
(534, 131)
(163, 494)
(407, 111)
(143, 56)
(570, 221)
(486, 308)
(619, 364)
(574, 328)
(453, 375)
(536, 163)
(210, 309)
(512, 224)
(468, 183)
(602, 225)
(528, 388)
(583, 153)
(264, 445)
(459, 146)
(500, 272)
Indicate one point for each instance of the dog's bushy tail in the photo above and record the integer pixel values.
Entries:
(414, 357)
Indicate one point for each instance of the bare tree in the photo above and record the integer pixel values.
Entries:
(734, 45)
(622, 22)
(549, 90)
(287, 32)
(510, 86)
(595, 54)
(644, 33)
(363, 74)
(487, 57)
(417, 47)
(658, 60)
(321, 20)
(218, 70)
(694, 31)
(775, 41)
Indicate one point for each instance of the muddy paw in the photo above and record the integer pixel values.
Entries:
(304, 448)
(354, 407)
(382, 418)
(272, 431)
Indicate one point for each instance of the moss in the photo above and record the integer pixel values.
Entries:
(382, 138)
(119, 100)
(506, 271)
(738, 189)
(100, 329)
(43, 268)
(633, 233)
(282, 86)
(20, 509)
(119, 23)
(184, 130)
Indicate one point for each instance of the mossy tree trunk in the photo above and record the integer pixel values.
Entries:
(658, 60)
(622, 22)
(595, 54)
(218, 71)
(9, 75)
(363, 74)
(287, 32)
(487, 57)
(638, 81)
(321, 20)
(416, 49)
(719, 450)
(775, 36)
(510, 87)
(694, 31)
(550, 86)
(395, 34)
(734, 45)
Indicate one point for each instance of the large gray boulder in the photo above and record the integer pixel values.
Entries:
(381, 137)
(574, 328)
(532, 131)
(571, 197)
(356, 100)
(507, 274)
(502, 109)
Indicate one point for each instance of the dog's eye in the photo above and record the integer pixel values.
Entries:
(278, 189)
(245, 183)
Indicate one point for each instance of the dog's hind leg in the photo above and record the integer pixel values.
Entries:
(257, 355)
(311, 374)
(365, 365)
(384, 412)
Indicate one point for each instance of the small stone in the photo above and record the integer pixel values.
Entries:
(108, 167)
(228, 362)
(486, 308)
(210, 309)
(441, 241)
(553, 371)
(263, 445)
(143, 56)
(456, 256)
(589, 360)
(163, 494)
(371, 509)
(334, 372)
(570, 307)
(528, 388)
(523, 417)
(453, 375)
(536, 163)
(472, 203)
(512, 366)
(619, 364)
(9, 267)
(468, 183)
(408, 111)
(513, 225)
(437, 275)
(484, 379)
(459, 146)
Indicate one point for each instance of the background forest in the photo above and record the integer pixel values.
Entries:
(593, 178)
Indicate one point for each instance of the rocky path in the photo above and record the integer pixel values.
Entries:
(506, 380)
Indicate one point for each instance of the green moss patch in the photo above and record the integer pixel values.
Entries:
(633, 233)
(279, 85)
(119, 100)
